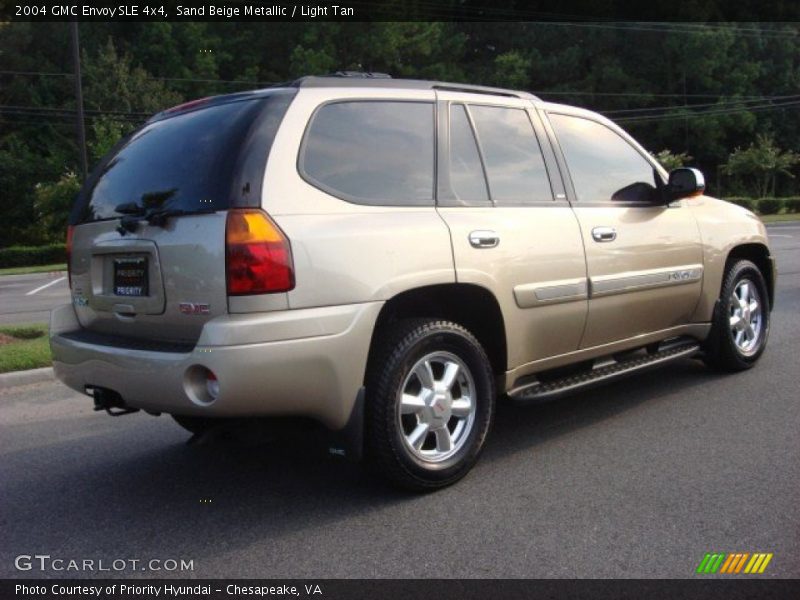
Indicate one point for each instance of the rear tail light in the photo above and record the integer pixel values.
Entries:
(70, 231)
(258, 255)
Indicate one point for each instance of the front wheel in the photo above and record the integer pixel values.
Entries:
(430, 402)
(741, 320)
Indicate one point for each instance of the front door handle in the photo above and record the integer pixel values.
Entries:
(483, 239)
(604, 234)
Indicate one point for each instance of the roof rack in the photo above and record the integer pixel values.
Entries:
(361, 79)
(359, 75)
(476, 89)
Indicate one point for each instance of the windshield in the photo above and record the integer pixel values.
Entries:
(192, 162)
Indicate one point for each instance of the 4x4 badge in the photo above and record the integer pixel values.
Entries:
(192, 308)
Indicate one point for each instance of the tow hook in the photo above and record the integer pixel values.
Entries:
(109, 400)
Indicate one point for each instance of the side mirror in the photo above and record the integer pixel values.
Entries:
(685, 182)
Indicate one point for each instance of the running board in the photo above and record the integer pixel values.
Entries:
(536, 392)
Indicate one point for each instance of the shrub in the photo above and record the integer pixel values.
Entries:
(792, 204)
(28, 256)
(769, 206)
(748, 203)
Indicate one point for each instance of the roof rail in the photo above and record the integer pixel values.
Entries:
(381, 80)
(476, 90)
(359, 75)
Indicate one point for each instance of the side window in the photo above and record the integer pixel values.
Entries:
(603, 166)
(514, 162)
(372, 152)
(466, 172)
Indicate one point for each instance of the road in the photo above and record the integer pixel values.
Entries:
(29, 298)
(637, 479)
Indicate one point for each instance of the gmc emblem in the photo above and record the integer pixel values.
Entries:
(192, 308)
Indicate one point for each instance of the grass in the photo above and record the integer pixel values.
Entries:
(36, 269)
(24, 347)
(779, 218)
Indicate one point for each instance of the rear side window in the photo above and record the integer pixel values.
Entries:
(466, 171)
(206, 159)
(514, 162)
(372, 152)
(604, 166)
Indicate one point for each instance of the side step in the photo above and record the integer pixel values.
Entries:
(536, 392)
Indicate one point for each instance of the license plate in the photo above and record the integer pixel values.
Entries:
(130, 276)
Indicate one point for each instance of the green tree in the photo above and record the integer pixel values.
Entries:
(671, 161)
(52, 203)
(758, 166)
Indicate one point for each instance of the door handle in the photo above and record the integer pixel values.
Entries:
(483, 239)
(604, 234)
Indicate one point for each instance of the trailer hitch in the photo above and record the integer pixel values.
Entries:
(109, 401)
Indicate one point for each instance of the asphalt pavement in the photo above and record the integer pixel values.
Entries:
(29, 298)
(637, 479)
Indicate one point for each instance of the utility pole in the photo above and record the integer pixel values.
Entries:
(76, 59)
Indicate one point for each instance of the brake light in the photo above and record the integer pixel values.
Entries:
(70, 231)
(258, 254)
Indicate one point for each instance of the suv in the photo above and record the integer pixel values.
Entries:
(386, 257)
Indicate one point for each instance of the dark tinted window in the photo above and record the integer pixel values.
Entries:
(372, 152)
(186, 162)
(466, 173)
(514, 162)
(603, 166)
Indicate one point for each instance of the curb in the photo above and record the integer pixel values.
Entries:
(15, 378)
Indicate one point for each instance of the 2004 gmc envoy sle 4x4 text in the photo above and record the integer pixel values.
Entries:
(386, 257)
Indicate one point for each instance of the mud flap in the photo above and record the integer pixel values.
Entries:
(348, 442)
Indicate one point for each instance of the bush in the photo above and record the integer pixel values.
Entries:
(792, 205)
(770, 206)
(28, 256)
(748, 203)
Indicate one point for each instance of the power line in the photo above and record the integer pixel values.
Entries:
(181, 79)
(638, 94)
(720, 104)
(707, 113)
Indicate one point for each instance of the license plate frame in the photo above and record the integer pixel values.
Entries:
(131, 276)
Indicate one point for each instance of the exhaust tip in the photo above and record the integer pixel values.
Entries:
(201, 385)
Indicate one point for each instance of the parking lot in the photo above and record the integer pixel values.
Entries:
(637, 479)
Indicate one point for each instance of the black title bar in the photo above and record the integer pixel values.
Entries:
(396, 10)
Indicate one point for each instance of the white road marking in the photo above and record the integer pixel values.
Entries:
(46, 285)
(772, 235)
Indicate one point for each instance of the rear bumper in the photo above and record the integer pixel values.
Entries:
(307, 362)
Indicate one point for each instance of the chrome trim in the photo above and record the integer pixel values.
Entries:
(551, 292)
(633, 281)
(604, 234)
(483, 238)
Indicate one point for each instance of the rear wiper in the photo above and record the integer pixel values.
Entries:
(129, 208)
(134, 213)
(159, 217)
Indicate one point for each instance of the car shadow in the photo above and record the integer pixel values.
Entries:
(137, 485)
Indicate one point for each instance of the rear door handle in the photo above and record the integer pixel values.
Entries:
(483, 238)
(604, 234)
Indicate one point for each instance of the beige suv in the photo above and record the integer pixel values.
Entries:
(386, 257)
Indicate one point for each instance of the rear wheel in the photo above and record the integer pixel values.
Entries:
(430, 402)
(741, 320)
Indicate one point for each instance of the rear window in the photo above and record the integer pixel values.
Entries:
(207, 159)
(372, 152)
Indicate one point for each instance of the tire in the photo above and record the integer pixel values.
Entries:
(738, 337)
(195, 425)
(404, 396)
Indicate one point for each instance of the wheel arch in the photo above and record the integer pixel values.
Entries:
(759, 255)
(471, 306)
